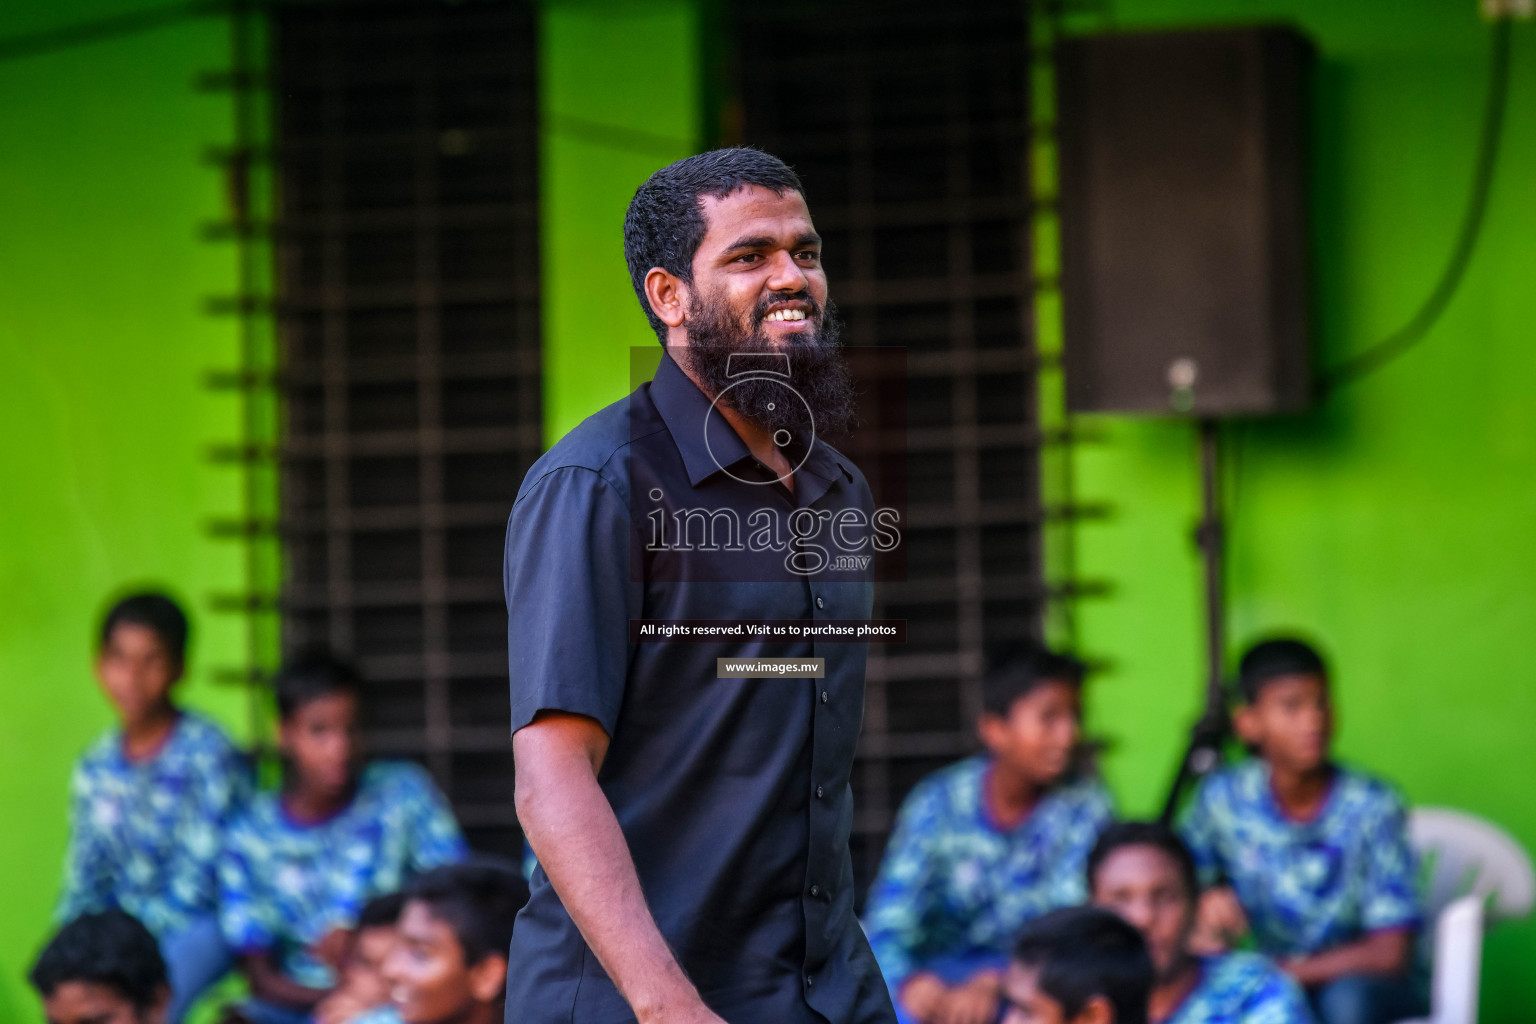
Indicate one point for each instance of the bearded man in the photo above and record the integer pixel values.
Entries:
(692, 830)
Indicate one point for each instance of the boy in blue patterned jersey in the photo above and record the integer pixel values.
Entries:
(300, 864)
(449, 965)
(1144, 873)
(149, 800)
(987, 844)
(1308, 854)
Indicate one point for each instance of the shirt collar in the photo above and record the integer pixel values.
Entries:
(707, 443)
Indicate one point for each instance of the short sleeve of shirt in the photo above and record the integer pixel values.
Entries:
(435, 835)
(1093, 812)
(903, 891)
(1390, 897)
(244, 917)
(1278, 1000)
(567, 579)
(87, 874)
(1243, 988)
(1199, 830)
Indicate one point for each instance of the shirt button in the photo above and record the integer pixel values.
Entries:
(824, 696)
(818, 792)
(819, 603)
(815, 890)
(809, 981)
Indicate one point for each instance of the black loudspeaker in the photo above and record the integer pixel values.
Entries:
(1183, 220)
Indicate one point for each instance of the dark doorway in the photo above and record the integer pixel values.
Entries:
(408, 299)
(909, 124)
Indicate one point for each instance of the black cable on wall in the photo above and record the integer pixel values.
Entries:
(1414, 331)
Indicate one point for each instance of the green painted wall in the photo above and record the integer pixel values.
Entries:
(1393, 522)
(620, 97)
(103, 479)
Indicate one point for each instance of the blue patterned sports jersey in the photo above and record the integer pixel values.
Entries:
(145, 835)
(1242, 988)
(284, 886)
(1306, 886)
(384, 1014)
(953, 884)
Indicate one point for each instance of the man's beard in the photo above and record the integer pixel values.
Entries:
(817, 371)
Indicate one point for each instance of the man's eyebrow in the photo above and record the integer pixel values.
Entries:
(765, 242)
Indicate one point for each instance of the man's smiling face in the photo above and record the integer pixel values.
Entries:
(758, 287)
(759, 267)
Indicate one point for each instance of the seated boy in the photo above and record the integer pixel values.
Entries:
(1078, 965)
(300, 864)
(361, 988)
(983, 846)
(102, 968)
(149, 801)
(1311, 855)
(1144, 873)
(450, 964)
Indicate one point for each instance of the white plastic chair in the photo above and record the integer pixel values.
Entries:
(1474, 866)
(1458, 963)
(1468, 855)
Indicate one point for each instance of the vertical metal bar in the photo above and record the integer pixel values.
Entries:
(241, 169)
(1208, 734)
(335, 447)
(430, 422)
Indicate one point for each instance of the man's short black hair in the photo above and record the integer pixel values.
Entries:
(381, 911)
(1081, 952)
(111, 949)
(665, 221)
(1017, 669)
(477, 900)
(1271, 659)
(310, 677)
(1144, 833)
(155, 612)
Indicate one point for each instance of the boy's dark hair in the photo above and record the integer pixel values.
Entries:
(1082, 952)
(1144, 833)
(310, 677)
(665, 221)
(111, 949)
(155, 612)
(381, 911)
(1271, 659)
(1017, 669)
(478, 901)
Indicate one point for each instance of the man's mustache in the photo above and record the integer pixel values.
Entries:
(813, 310)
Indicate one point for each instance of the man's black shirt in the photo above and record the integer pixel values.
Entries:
(732, 794)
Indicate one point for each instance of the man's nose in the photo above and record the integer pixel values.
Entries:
(787, 275)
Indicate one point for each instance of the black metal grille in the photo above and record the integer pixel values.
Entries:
(408, 286)
(909, 124)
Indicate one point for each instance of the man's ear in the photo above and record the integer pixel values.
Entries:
(668, 295)
(488, 979)
(1097, 1010)
(1246, 724)
(284, 731)
(992, 730)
